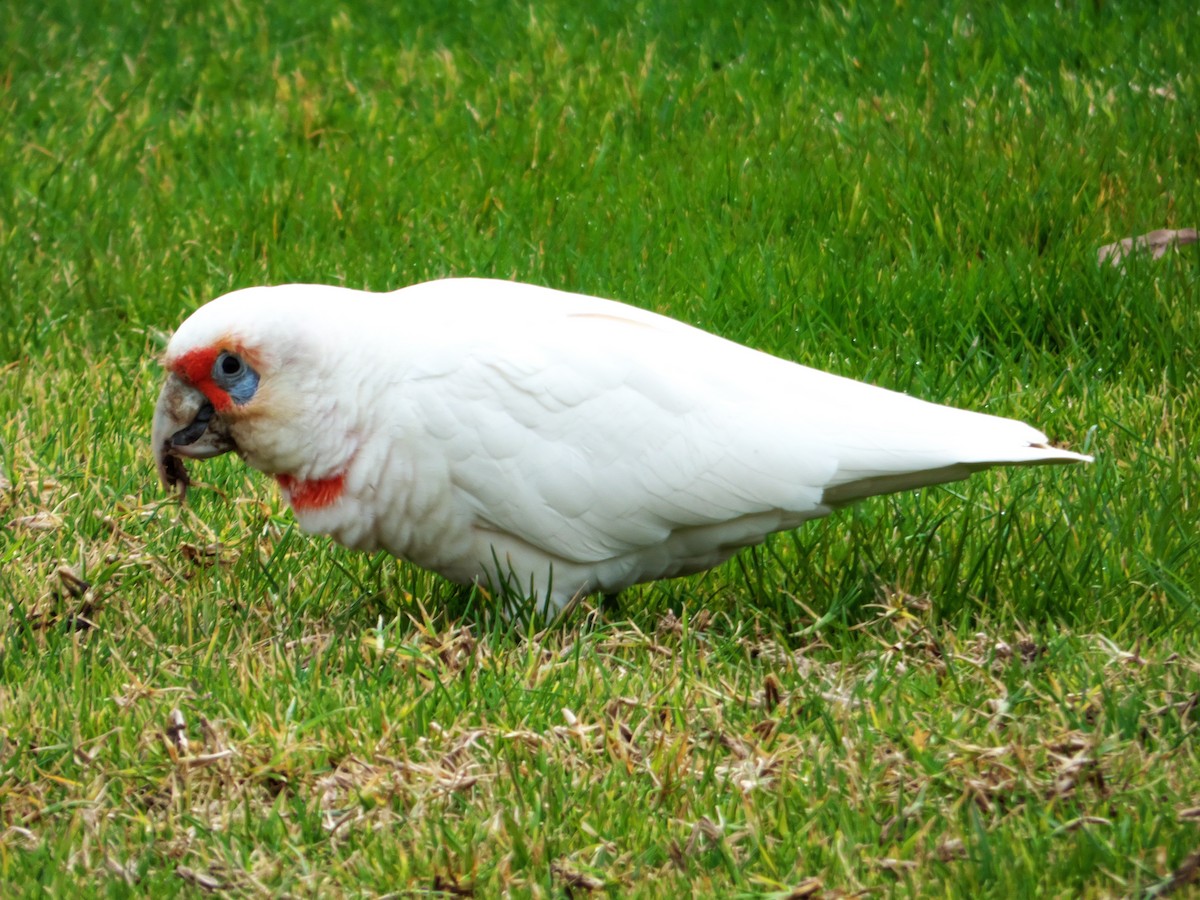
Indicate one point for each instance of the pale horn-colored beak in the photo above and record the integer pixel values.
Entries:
(185, 425)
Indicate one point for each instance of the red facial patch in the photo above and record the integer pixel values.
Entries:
(304, 495)
(196, 369)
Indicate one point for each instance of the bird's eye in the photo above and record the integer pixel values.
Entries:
(229, 365)
(231, 373)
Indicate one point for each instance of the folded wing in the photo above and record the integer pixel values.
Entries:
(608, 429)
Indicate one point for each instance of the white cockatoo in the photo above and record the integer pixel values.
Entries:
(553, 443)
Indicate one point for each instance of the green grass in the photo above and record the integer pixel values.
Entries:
(987, 690)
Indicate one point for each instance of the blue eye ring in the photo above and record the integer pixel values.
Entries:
(233, 374)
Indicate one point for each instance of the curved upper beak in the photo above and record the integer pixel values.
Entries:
(185, 425)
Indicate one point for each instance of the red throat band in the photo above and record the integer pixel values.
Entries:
(308, 495)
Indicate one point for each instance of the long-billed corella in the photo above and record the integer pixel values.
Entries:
(554, 443)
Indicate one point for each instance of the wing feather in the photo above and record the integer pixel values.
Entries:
(589, 429)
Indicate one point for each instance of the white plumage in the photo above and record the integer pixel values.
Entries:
(575, 444)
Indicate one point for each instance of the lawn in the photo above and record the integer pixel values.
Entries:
(987, 689)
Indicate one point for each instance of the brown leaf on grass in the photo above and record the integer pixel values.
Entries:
(669, 623)
(1184, 708)
(574, 879)
(39, 521)
(677, 855)
(202, 880)
(895, 866)
(1157, 242)
(950, 850)
(707, 828)
(766, 728)
(209, 555)
(71, 582)
(771, 692)
(123, 870)
(71, 603)
(214, 738)
(1082, 822)
(1031, 650)
(809, 887)
(448, 884)
(16, 836)
(205, 759)
(454, 649)
(1181, 877)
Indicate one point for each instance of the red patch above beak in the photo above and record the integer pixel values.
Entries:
(196, 368)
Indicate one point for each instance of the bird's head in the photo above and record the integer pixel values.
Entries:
(249, 373)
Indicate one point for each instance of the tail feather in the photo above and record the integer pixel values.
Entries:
(1033, 454)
